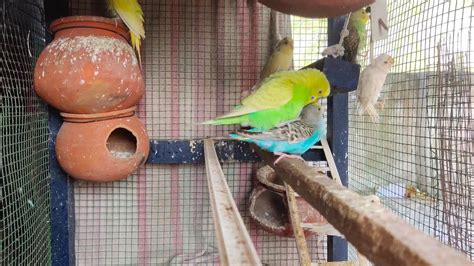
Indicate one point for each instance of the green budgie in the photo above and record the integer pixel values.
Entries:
(279, 99)
(357, 34)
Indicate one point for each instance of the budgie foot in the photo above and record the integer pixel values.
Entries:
(334, 51)
(380, 104)
(284, 155)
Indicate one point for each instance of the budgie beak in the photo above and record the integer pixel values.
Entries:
(391, 60)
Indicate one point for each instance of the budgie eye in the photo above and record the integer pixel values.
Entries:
(320, 92)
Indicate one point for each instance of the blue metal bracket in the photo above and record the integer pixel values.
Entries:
(192, 151)
(338, 128)
(342, 75)
(62, 202)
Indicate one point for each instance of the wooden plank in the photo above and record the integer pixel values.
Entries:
(301, 245)
(234, 243)
(377, 233)
(330, 160)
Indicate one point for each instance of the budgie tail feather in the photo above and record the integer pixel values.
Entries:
(136, 43)
(131, 14)
(238, 137)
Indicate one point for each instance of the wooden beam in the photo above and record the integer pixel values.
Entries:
(301, 245)
(234, 243)
(377, 233)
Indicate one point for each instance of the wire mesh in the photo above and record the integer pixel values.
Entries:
(419, 158)
(198, 59)
(24, 179)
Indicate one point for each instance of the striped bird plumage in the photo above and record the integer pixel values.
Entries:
(294, 137)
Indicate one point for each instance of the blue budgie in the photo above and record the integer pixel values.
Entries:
(295, 137)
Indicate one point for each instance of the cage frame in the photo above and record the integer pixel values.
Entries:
(62, 196)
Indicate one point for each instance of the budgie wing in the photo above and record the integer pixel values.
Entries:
(351, 44)
(370, 85)
(292, 132)
(131, 13)
(276, 91)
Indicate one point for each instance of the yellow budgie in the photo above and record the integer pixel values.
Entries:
(131, 14)
(280, 60)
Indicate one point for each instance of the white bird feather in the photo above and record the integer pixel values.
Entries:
(371, 82)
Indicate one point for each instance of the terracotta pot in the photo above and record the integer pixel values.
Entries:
(104, 150)
(84, 118)
(89, 67)
(269, 179)
(271, 197)
(269, 210)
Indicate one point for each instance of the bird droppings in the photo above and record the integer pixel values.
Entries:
(30, 202)
(192, 146)
(93, 47)
(121, 154)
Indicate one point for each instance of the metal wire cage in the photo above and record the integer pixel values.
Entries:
(419, 158)
(199, 57)
(24, 178)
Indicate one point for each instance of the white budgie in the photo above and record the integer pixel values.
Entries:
(371, 83)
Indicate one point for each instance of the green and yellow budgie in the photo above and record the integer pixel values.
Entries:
(357, 34)
(131, 14)
(279, 99)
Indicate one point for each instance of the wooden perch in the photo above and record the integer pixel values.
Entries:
(377, 233)
(235, 245)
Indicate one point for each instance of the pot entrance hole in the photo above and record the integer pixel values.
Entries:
(122, 143)
(270, 209)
